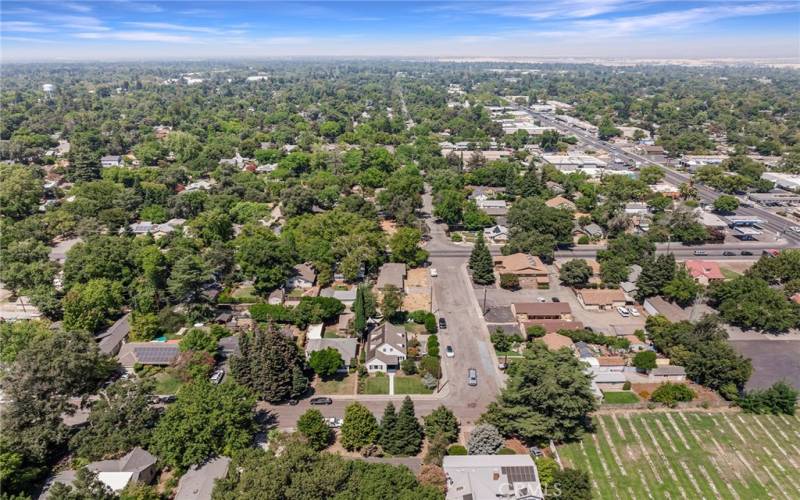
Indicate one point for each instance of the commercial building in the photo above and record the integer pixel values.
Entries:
(528, 311)
(572, 163)
(775, 198)
(783, 180)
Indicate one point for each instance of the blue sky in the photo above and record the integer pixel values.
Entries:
(132, 29)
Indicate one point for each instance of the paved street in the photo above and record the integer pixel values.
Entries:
(772, 222)
(453, 299)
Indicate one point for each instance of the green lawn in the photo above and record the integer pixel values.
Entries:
(376, 385)
(690, 454)
(341, 383)
(167, 383)
(729, 273)
(619, 398)
(402, 385)
(410, 385)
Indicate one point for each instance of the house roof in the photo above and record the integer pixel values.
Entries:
(306, 271)
(476, 477)
(136, 461)
(671, 311)
(147, 353)
(392, 273)
(609, 377)
(386, 333)
(554, 325)
(560, 202)
(611, 361)
(601, 296)
(346, 347)
(542, 308)
(593, 229)
(669, 370)
(341, 295)
(556, 341)
(229, 345)
(198, 482)
(704, 268)
(520, 263)
(111, 339)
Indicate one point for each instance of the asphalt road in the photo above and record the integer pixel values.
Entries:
(772, 222)
(455, 300)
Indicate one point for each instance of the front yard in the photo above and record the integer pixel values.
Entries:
(403, 384)
(167, 382)
(619, 398)
(341, 384)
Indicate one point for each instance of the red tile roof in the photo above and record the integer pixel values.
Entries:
(707, 268)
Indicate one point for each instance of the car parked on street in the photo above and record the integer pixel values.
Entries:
(442, 324)
(728, 253)
(449, 352)
(434, 272)
(321, 401)
(334, 422)
(700, 252)
(746, 252)
(472, 377)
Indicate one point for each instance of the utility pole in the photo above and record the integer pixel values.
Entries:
(484, 301)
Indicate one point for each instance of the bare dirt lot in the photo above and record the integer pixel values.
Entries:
(773, 360)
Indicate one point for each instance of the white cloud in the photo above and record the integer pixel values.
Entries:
(77, 7)
(136, 36)
(23, 27)
(84, 23)
(172, 27)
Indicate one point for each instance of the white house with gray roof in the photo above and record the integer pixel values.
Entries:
(386, 348)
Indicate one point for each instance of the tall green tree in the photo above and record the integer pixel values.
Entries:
(404, 245)
(360, 428)
(326, 362)
(480, 263)
(575, 272)
(21, 189)
(270, 364)
(91, 306)
(442, 421)
(360, 311)
(312, 425)
(682, 288)
(406, 436)
(206, 420)
(547, 396)
(121, 419)
(656, 273)
(388, 425)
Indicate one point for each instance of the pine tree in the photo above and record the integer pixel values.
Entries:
(656, 273)
(270, 364)
(388, 426)
(480, 263)
(406, 439)
(360, 320)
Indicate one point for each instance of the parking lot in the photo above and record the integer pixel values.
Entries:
(496, 303)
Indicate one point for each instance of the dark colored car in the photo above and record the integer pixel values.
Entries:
(321, 401)
(293, 402)
(728, 253)
(555, 299)
(442, 324)
(746, 252)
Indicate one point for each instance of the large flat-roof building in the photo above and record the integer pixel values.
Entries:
(783, 180)
(479, 477)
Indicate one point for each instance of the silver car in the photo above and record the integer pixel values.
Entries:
(472, 377)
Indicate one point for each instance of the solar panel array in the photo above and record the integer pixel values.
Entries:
(519, 474)
(156, 355)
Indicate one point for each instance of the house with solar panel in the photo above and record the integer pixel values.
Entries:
(475, 477)
(147, 354)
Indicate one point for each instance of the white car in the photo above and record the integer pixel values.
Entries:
(795, 229)
(434, 272)
(334, 422)
(542, 299)
(634, 312)
(623, 312)
(449, 352)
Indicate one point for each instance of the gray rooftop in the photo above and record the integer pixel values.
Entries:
(392, 273)
(347, 347)
(198, 482)
(111, 339)
(668, 370)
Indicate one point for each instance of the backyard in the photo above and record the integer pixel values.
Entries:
(690, 455)
(619, 397)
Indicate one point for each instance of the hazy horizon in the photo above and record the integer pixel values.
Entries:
(125, 30)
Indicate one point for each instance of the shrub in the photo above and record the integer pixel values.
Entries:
(430, 324)
(485, 439)
(456, 237)
(509, 281)
(645, 360)
(456, 449)
(644, 394)
(670, 394)
(547, 468)
(431, 365)
(418, 316)
(780, 398)
(504, 342)
(429, 381)
(408, 366)
(626, 386)
(265, 313)
(583, 240)
(535, 331)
